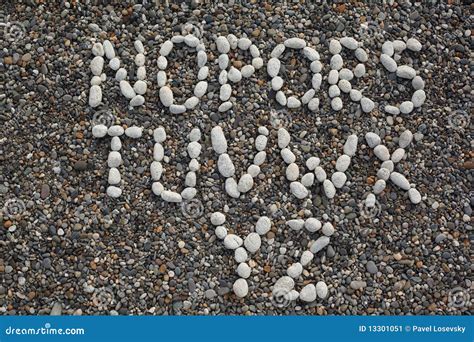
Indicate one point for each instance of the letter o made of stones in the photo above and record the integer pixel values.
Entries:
(230, 73)
(273, 70)
(165, 92)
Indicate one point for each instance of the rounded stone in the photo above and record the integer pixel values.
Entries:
(232, 241)
(252, 242)
(295, 270)
(321, 289)
(298, 190)
(308, 293)
(312, 224)
(244, 270)
(240, 288)
(245, 183)
(319, 244)
(217, 218)
(263, 225)
(221, 232)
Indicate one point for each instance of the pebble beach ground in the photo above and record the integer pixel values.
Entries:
(386, 231)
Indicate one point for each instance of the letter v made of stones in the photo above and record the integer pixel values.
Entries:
(226, 166)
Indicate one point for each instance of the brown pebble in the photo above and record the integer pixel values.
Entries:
(397, 256)
(237, 64)
(44, 191)
(469, 165)
(256, 33)
(341, 8)
(26, 57)
(333, 131)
